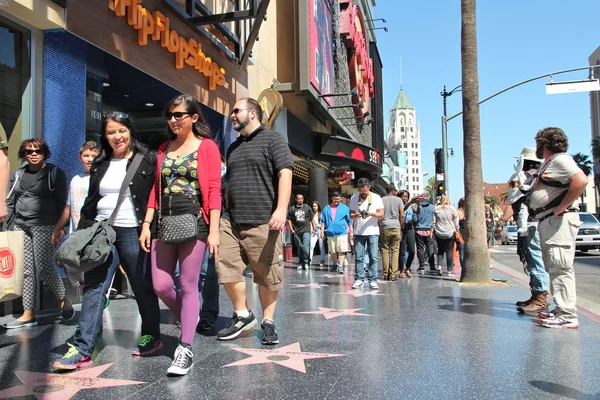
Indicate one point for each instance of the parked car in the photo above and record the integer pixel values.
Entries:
(588, 236)
(509, 234)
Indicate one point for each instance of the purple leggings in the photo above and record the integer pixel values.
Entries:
(185, 303)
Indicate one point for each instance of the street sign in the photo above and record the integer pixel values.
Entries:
(587, 85)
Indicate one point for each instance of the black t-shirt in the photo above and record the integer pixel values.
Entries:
(301, 217)
(253, 165)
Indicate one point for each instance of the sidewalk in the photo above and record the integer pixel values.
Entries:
(419, 338)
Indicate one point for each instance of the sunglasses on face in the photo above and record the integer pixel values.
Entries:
(33, 151)
(235, 111)
(115, 114)
(177, 114)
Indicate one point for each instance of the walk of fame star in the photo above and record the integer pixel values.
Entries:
(61, 386)
(360, 293)
(290, 356)
(330, 313)
(334, 276)
(308, 285)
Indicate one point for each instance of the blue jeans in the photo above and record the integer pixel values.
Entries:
(362, 245)
(302, 242)
(538, 277)
(136, 264)
(208, 286)
(111, 272)
(461, 253)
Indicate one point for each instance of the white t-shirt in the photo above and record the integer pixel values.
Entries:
(78, 191)
(560, 168)
(368, 226)
(110, 185)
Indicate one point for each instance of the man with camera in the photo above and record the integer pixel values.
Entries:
(366, 208)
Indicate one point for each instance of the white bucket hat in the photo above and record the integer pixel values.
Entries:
(528, 153)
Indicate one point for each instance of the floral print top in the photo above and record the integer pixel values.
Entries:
(180, 175)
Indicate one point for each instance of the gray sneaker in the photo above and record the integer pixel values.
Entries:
(16, 324)
(340, 269)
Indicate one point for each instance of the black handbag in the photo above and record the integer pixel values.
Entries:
(175, 229)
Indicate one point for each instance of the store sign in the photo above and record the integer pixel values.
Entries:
(155, 26)
(320, 31)
(360, 65)
(334, 146)
(270, 101)
(341, 177)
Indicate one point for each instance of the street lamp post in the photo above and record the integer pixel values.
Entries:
(445, 94)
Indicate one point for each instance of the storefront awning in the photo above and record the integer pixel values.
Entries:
(341, 151)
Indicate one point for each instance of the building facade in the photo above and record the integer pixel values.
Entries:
(404, 136)
(594, 60)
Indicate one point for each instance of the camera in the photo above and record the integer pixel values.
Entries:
(364, 214)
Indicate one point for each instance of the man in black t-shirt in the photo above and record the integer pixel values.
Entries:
(259, 186)
(301, 224)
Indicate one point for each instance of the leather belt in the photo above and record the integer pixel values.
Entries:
(569, 210)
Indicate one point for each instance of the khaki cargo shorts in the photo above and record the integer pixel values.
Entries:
(254, 245)
(338, 244)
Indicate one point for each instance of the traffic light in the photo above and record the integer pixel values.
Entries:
(439, 188)
(439, 161)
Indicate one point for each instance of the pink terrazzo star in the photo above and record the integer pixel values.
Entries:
(61, 386)
(308, 285)
(290, 356)
(383, 282)
(330, 313)
(360, 293)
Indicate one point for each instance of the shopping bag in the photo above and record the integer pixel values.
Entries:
(11, 265)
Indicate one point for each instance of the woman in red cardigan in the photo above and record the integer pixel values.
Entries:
(187, 181)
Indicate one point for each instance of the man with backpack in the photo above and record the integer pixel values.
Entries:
(555, 188)
(423, 226)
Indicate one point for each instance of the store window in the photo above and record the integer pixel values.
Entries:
(15, 88)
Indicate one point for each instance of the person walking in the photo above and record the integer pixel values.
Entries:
(301, 224)
(119, 147)
(316, 234)
(35, 204)
(366, 208)
(336, 225)
(391, 233)
(558, 184)
(460, 247)
(407, 244)
(259, 186)
(423, 225)
(187, 182)
(445, 225)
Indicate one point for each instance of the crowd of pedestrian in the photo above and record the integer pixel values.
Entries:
(141, 193)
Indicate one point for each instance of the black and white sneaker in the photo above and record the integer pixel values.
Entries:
(269, 334)
(237, 326)
(182, 362)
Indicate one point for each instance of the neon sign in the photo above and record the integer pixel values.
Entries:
(360, 65)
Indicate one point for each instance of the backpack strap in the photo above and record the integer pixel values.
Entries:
(556, 201)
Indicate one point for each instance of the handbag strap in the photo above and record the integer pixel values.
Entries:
(135, 163)
(160, 182)
(448, 219)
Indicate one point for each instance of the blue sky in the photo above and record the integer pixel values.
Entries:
(517, 40)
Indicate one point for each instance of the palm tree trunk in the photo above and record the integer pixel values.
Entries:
(477, 265)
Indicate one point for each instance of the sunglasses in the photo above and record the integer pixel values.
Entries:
(33, 151)
(177, 114)
(235, 111)
(115, 114)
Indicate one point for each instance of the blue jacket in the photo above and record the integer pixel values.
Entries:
(338, 227)
(424, 218)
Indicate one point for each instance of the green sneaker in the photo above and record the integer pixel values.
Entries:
(73, 360)
(147, 345)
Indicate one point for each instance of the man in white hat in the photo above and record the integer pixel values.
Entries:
(529, 245)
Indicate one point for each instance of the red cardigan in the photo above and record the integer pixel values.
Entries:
(209, 177)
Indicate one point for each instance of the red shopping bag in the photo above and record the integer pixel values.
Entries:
(11, 265)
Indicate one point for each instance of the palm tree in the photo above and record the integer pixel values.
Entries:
(585, 164)
(477, 263)
(430, 189)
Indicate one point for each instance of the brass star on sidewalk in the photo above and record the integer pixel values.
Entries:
(330, 313)
(360, 293)
(308, 285)
(61, 386)
(290, 356)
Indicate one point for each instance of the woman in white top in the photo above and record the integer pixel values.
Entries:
(445, 225)
(316, 235)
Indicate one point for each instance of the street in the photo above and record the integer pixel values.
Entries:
(587, 269)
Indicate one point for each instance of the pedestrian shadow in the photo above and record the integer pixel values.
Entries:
(475, 306)
(562, 390)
